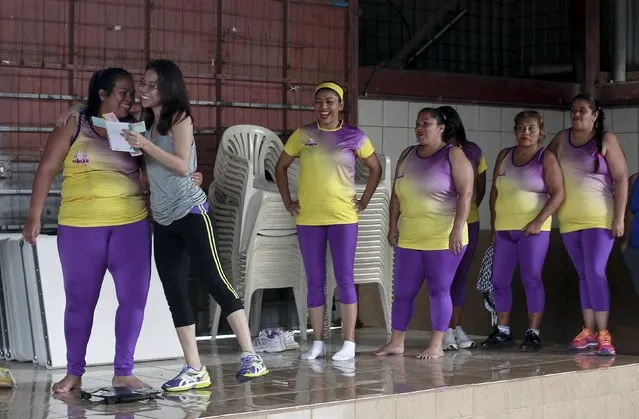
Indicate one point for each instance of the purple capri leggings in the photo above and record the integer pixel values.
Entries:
(412, 267)
(342, 239)
(589, 251)
(85, 254)
(512, 247)
(458, 287)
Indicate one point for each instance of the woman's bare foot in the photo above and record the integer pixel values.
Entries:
(128, 381)
(68, 383)
(431, 352)
(391, 348)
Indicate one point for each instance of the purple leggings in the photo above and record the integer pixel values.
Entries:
(85, 254)
(512, 247)
(458, 287)
(342, 239)
(589, 251)
(438, 268)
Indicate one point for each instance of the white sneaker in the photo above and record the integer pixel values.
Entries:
(289, 341)
(462, 340)
(270, 340)
(450, 344)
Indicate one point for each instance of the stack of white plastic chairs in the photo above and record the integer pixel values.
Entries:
(257, 239)
(374, 256)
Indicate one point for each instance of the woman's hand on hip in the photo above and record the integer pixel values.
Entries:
(359, 204)
(197, 178)
(293, 207)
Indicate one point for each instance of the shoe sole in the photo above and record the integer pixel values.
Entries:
(582, 348)
(251, 376)
(323, 355)
(274, 351)
(259, 374)
(466, 345)
(203, 384)
(450, 348)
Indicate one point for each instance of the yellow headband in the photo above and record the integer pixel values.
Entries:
(332, 86)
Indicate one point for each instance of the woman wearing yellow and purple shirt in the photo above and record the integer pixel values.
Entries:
(428, 212)
(327, 208)
(102, 225)
(455, 134)
(592, 215)
(527, 190)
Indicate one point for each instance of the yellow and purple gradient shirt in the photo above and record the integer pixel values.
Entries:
(427, 201)
(588, 201)
(476, 157)
(326, 184)
(521, 192)
(100, 186)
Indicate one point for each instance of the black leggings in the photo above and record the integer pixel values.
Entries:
(191, 237)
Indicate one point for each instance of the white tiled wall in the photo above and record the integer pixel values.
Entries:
(390, 126)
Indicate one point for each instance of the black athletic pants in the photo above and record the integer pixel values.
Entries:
(191, 239)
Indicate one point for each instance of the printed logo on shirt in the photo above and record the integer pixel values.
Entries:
(310, 143)
(81, 157)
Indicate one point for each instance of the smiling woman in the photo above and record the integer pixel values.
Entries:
(102, 223)
(183, 225)
(327, 208)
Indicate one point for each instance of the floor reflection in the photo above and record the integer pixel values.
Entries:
(292, 382)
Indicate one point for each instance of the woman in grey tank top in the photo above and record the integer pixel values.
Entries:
(182, 223)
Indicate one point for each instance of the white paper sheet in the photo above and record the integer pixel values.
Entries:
(116, 139)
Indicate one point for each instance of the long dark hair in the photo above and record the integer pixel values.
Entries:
(105, 80)
(172, 89)
(599, 122)
(454, 126)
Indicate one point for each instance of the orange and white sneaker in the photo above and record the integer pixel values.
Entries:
(605, 344)
(584, 340)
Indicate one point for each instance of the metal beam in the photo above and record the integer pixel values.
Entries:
(618, 94)
(424, 85)
(196, 131)
(411, 45)
(353, 61)
(211, 103)
(586, 41)
(437, 36)
(621, 41)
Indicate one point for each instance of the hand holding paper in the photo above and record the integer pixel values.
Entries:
(117, 138)
(134, 138)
